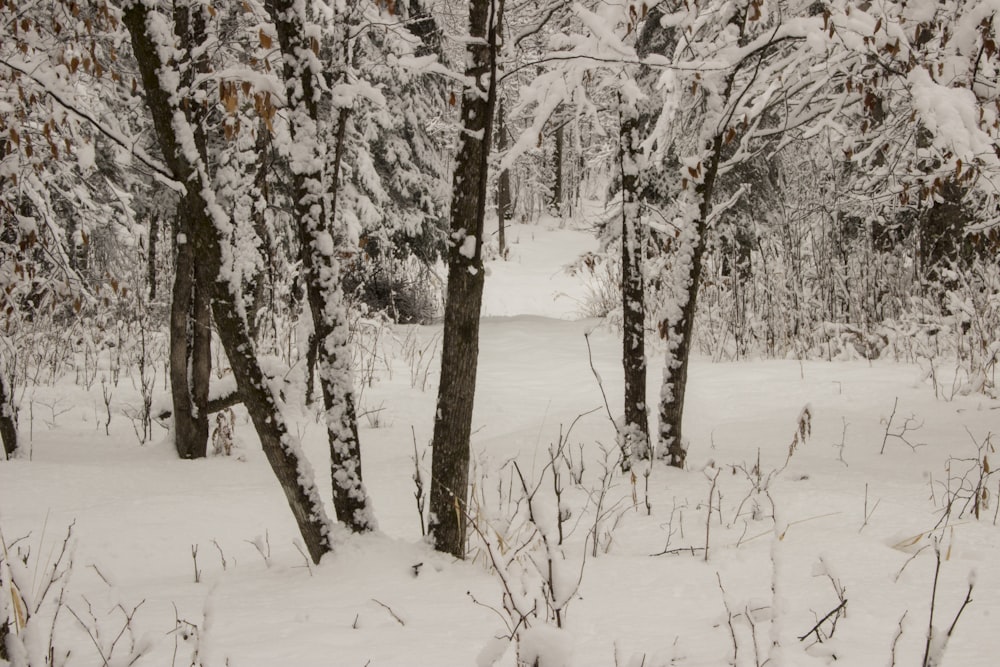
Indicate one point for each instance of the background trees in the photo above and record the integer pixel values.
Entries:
(778, 178)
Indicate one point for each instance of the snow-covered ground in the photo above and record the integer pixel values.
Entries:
(206, 549)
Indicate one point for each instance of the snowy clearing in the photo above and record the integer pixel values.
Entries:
(206, 549)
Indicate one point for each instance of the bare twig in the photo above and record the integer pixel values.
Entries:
(391, 612)
(832, 613)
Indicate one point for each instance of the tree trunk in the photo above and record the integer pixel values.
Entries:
(460, 347)
(154, 233)
(282, 452)
(190, 435)
(190, 343)
(679, 331)
(262, 284)
(8, 427)
(556, 205)
(504, 212)
(634, 437)
(320, 265)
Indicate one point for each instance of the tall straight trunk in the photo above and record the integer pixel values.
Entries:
(556, 205)
(678, 331)
(634, 437)
(151, 273)
(460, 347)
(8, 427)
(189, 170)
(327, 306)
(504, 212)
(190, 439)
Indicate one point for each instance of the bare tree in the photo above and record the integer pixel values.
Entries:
(460, 347)
(183, 156)
(316, 221)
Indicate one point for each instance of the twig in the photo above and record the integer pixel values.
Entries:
(965, 603)
(708, 519)
(391, 612)
(194, 557)
(815, 628)
(600, 383)
(895, 640)
(930, 617)
(729, 619)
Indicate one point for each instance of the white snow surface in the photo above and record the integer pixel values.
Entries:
(850, 519)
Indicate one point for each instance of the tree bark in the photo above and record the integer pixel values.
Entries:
(679, 332)
(154, 233)
(634, 437)
(635, 117)
(556, 205)
(504, 212)
(460, 347)
(8, 427)
(282, 453)
(321, 266)
(190, 423)
(190, 319)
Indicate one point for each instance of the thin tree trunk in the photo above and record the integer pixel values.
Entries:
(263, 282)
(185, 423)
(556, 205)
(634, 438)
(504, 212)
(8, 427)
(460, 347)
(282, 452)
(679, 332)
(154, 233)
(330, 336)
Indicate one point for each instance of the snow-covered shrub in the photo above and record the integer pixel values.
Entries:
(524, 543)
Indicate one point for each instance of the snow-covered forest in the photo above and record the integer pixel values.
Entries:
(542, 334)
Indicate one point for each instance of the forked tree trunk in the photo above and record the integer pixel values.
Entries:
(635, 117)
(190, 316)
(282, 453)
(330, 338)
(190, 416)
(460, 347)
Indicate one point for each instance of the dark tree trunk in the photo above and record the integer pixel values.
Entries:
(190, 321)
(681, 330)
(634, 438)
(460, 347)
(556, 205)
(8, 427)
(504, 210)
(330, 337)
(154, 233)
(634, 119)
(279, 448)
(190, 423)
